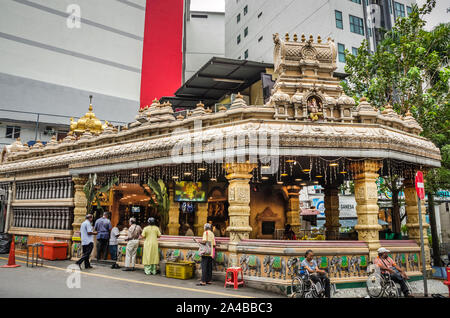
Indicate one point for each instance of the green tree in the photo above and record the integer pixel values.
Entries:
(93, 192)
(409, 69)
(159, 200)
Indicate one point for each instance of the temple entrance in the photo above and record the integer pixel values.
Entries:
(218, 211)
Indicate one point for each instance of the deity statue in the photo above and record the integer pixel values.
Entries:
(314, 108)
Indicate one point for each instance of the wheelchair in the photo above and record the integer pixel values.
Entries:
(302, 286)
(381, 285)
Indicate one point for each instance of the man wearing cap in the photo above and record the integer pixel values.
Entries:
(134, 232)
(388, 266)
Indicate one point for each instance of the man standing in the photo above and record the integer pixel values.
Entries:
(87, 241)
(115, 233)
(103, 227)
(134, 232)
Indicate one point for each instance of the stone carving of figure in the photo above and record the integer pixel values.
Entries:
(314, 108)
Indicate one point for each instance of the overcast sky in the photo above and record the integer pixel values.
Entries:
(208, 5)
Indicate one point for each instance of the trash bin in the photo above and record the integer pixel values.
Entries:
(5, 243)
(54, 250)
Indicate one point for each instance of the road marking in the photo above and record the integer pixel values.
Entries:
(145, 283)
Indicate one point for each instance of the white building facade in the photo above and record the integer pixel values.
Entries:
(54, 54)
(250, 24)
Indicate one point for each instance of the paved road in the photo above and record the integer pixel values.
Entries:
(51, 281)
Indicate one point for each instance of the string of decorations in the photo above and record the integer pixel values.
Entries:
(291, 169)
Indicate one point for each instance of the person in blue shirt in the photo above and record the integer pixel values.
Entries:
(103, 227)
(315, 273)
(87, 241)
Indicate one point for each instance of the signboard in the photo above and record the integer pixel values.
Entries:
(420, 188)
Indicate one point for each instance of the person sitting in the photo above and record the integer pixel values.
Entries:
(216, 230)
(315, 273)
(288, 233)
(388, 266)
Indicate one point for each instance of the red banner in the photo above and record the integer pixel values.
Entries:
(162, 59)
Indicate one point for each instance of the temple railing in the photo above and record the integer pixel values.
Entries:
(56, 218)
(55, 188)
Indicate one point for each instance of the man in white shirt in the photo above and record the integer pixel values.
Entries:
(113, 244)
(134, 232)
(87, 241)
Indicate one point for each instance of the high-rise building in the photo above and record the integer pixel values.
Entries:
(54, 54)
(250, 24)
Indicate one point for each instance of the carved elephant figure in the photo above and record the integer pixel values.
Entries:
(220, 259)
(413, 261)
(340, 264)
(293, 265)
(354, 264)
(174, 255)
(250, 262)
(274, 264)
(193, 256)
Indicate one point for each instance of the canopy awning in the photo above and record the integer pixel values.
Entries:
(217, 78)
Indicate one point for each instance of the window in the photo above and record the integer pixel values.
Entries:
(199, 16)
(341, 52)
(238, 18)
(399, 10)
(354, 51)
(408, 10)
(339, 21)
(245, 10)
(12, 132)
(260, 39)
(390, 6)
(356, 25)
(246, 54)
(259, 15)
(238, 40)
(356, 1)
(245, 32)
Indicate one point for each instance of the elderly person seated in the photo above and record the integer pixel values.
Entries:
(315, 273)
(387, 266)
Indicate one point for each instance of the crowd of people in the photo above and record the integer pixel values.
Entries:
(107, 241)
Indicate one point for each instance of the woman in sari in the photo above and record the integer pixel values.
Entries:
(151, 254)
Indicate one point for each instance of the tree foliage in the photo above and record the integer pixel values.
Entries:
(409, 69)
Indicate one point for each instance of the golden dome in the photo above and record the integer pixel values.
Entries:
(87, 122)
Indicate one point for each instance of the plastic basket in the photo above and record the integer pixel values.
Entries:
(180, 270)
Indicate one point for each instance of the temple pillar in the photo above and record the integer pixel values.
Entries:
(293, 212)
(174, 215)
(201, 218)
(238, 175)
(412, 219)
(366, 196)
(80, 203)
(332, 225)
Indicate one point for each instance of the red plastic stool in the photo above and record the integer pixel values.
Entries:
(234, 279)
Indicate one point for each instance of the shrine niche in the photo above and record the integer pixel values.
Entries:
(266, 220)
(218, 209)
(315, 108)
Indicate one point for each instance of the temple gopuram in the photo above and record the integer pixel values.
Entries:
(239, 166)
